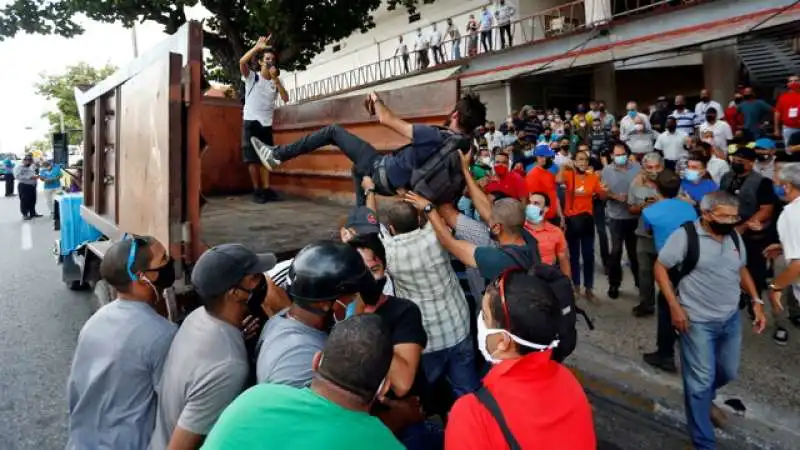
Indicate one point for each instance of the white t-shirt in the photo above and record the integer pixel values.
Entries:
(717, 167)
(700, 109)
(789, 232)
(722, 132)
(671, 144)
(259, 103)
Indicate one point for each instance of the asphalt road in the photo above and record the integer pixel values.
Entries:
(39, 323)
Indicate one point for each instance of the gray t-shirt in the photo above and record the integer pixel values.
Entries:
(619, 182)
(114, 377)
(710, 292)
(636, 196)
(25, 174)
(287, 348)
(206, 369)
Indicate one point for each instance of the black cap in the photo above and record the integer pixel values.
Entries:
(661, 99)
(746, 152)
(363, 220)
(222, 267)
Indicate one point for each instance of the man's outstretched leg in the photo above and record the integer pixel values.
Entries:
(359, 151)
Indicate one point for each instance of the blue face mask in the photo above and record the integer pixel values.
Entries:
(534, 213)
(780, 191)
(691, 175)
(621, 160)
(464, 204)
(351, 310)
(631, 114)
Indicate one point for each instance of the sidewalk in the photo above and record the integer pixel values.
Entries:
(608, 360)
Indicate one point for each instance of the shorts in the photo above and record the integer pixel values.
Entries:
(253, 128)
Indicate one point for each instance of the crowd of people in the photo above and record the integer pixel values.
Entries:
(372, 342)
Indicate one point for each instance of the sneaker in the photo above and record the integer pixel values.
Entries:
(264, 153)
(613, 292)
(27, 217)
(270, 195)
(643, 311)
(718, 416)
(258, 197)
(659, 361)
(781, 336)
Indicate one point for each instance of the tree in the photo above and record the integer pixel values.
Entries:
(61, 89)
(301, 28)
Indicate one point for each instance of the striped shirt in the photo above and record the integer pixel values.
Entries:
(421, 271)
(686, 121)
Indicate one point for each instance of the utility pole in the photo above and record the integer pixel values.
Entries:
(134, 42)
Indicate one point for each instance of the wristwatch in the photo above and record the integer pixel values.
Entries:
(428, 208)
(772, 287)
(369, 191)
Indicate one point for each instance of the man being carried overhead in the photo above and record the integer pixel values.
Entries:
(405, 168)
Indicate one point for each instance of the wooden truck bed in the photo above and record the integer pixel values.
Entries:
(280, 227)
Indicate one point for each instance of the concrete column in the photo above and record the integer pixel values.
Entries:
(507, 86)
(605, 87)
(720, 72)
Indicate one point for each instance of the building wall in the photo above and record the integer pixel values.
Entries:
(646, 85)
(494, 96)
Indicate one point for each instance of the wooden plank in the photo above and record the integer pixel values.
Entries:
(193, 126)
(99, 156)
(146, 167)
(222, 169)
(88, 155)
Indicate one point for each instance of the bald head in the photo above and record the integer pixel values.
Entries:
(509, 213)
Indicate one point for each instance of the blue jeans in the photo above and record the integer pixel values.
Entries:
(787, 133)
(457, 363)
(456, 49)
(582, 245)
(710, 353)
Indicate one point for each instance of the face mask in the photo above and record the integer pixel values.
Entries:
(749, 96)
(255, 299)
(672, 127)
(764, 158)
(721, 228)
(639, 127)
(501, 170)
(602, 109)
(564, 147)
(780, 191)
(534, 213)
(691, 175)
(350, 310)
(548, 163)
(631, 114)
(550, 117)
(737, 168)
(705, 99)
(485, 160)
(166, 276)
(464, 204)
(484, 332)
(372, 290)
(568, 116)
(710, 117)
(540, 117)
(679, 106)
(621, 160)
(652, 175)
(583, 124)
(491, 130)
(794, 85)
(737, 100)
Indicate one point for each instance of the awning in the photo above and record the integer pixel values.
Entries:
(414, 80)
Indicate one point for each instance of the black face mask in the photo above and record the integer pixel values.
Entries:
(602, 109)
(672, 127)
(565, 147)
(166, 275)
(256, 298)
(711, 117)
(737, 100)
(705, 99)
(548, 163)
(749, 96)
(679, 106)
(491, 130)
(738, 168)
(764, 158)
(721, 229)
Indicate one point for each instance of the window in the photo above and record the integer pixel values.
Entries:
(414, 17)
(336, 48)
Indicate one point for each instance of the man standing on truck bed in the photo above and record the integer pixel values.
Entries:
(260, 91)
(392, 171)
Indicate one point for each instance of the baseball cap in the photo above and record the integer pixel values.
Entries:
(544, 150)
(363, 220)
(765, 144)
(746, 152)
(222, 267)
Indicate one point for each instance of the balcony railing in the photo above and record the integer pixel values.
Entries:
(560, 20)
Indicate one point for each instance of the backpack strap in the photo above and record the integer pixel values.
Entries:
(488, 401)
(515, 256)
(735, 239)
(255, 80)
(692, 251)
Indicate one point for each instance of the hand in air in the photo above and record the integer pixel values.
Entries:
(416, 200)
(263, 41)
(367, 184)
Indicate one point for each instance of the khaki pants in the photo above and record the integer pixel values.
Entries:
(49, 195)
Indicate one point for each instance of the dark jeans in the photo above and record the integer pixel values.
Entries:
(457, 364)
(665, 333)
(599, 208)
(623, 232)
(486, 40)
(646, 255)
(438, 54)
(425, 435)
(9, 184)
(405, 63)
(27, 199)
(756, 262)
(360, 152)
(505, 30)
(582, 245)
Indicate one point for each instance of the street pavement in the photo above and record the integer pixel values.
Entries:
(40, 320)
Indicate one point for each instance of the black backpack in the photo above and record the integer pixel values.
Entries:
(564, 295)
(440, 179)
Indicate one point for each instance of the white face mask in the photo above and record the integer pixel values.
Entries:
(484, 332)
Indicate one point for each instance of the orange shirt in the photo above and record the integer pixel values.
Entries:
(512, 185)
(542, 402)
(542, 180)
(550, 239)
(580, 191)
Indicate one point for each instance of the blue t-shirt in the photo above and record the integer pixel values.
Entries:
(696, 191)
(754, 112)
(666, 216)
(425, 142)
(55, 174)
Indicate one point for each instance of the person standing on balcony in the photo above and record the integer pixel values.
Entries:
(787, 110)
(455, 39)
(402, 50)
(472, 30)
(260, 92)
(503, 14)
(486, 29)
(436, 45)
(421, 48)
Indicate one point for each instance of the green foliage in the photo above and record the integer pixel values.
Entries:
(61, 89)
(301, 28)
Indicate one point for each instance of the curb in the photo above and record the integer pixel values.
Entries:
(637, 388)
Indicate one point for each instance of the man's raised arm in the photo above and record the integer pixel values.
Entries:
(387, 118)
(244, 62)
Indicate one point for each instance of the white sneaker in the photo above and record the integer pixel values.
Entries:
(264, 153)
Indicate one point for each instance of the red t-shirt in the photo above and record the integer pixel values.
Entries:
(542, 402)
(788, 107)
(542, 180)
(512, 185)
(734, 118)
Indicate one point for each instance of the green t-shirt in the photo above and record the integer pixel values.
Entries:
(277, 417)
